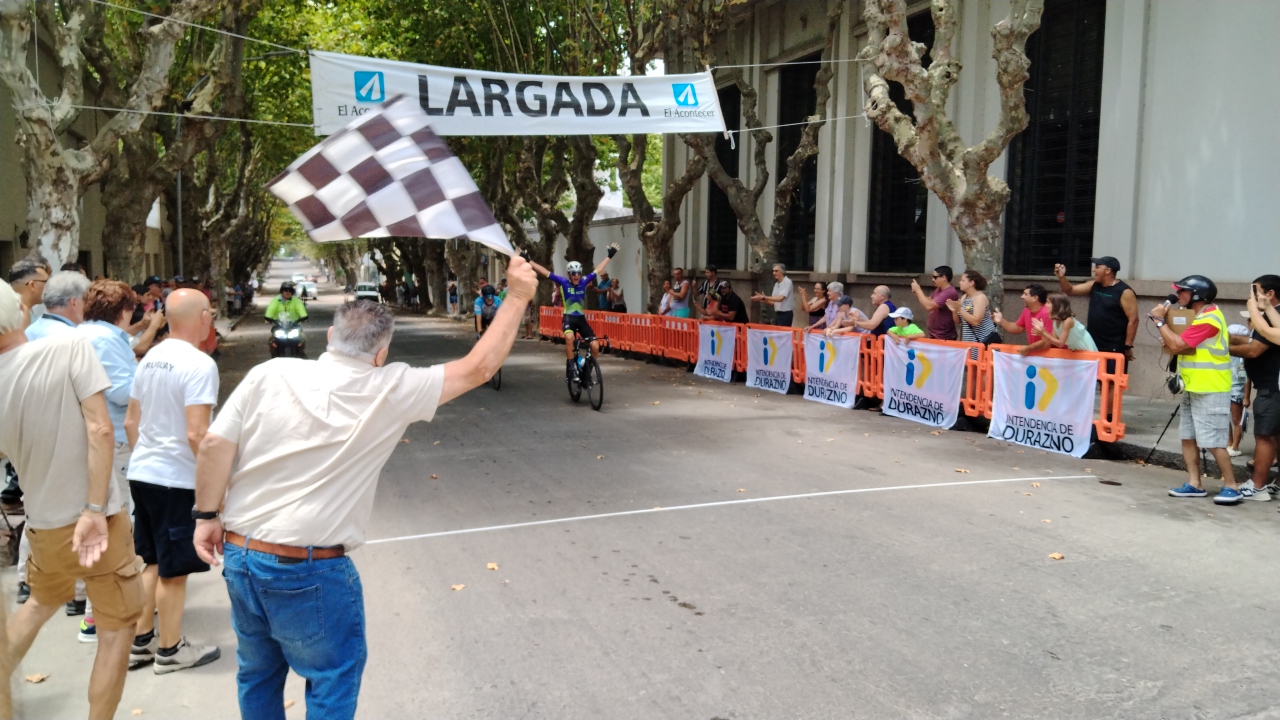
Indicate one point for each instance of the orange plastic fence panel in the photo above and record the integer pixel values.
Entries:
(1110, 421)
(549, 321)
(642, 333)
(679, 338)
(797, 355)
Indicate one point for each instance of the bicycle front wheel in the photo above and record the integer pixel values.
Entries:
(496, 380)
(595, 383)
(575, 390)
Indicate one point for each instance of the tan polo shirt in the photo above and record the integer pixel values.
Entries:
(313, 436)
(42, 428)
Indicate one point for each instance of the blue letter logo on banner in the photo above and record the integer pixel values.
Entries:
(686, 96)
(1050, 388)
(370, 86)
(913, 378)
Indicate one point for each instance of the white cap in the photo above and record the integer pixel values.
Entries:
(1237, 329)
(902, 312)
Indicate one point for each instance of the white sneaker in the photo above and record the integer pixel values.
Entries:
(1264, 495)
(1234, 452)
(187, 656)
(1247, 489)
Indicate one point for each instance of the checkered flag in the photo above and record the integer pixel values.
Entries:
(387, 174)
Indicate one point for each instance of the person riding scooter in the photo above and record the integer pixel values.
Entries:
(285, 313)
(286, 302)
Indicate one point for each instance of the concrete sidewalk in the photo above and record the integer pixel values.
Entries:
(1145, 418)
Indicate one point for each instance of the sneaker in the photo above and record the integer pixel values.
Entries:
(1264, 495)
(88, 631)
(143, 654)
(75, 607)
(1246, 488)
(24, 592)
(187, 656)
(1234, 452)
(1188, 490)
(1228, 496)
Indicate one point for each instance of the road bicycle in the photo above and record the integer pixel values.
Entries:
(495, 382)
(588, 376)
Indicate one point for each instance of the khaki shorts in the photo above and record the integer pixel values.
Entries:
(112, 584)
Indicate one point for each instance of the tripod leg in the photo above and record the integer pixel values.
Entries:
(1162, 432)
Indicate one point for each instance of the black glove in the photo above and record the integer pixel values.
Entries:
(613, 251)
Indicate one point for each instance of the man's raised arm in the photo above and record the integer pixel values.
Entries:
(1067, 288)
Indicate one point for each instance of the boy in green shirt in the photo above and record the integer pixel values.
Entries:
(904, 329)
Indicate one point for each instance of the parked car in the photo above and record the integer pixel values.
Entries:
(307, 290)
(368, 291)
(299, 277)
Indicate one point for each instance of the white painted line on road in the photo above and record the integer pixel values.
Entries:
(722, 503)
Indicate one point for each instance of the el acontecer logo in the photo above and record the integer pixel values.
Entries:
(770, 352)
(913, 377)
(685, 94)
(370, 86)
(826, 356)
(1032, 391)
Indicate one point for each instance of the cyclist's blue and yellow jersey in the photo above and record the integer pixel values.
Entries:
(575, 295)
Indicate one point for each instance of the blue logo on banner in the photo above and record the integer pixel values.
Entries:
(686, 96)
(370, 86)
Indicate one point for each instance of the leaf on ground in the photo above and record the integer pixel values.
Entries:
(456, 588)
(599, 457)
(37, 678)
(1035, 484)
(936, 432)
(491, 566)
(830, 439)
(436, 442)
(404, 440)
(657, 402)
(657, 507)
(1027, 494)
(866, 434)
(962, 470)
(1016, 468)
(435, 477)
(1057, 556)
(138, 711)
(742, 489)
(288, 704)
(1088, 469)
(1046, 521)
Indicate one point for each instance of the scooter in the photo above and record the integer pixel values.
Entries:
(287, 339)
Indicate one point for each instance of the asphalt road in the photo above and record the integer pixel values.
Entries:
(909, 590)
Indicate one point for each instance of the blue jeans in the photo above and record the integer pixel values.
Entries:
(307, 615)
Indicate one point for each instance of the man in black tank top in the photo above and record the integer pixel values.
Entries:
(1113, 306)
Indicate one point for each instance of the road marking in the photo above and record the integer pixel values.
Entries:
(721, 503)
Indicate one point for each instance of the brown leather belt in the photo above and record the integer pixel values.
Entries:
(285, 551)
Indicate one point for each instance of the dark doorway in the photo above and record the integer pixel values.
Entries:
(797, 100)
(722, 223)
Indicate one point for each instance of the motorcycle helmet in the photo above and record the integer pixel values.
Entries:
(488, 291)
(1201, 288)
(287, 286)
(574, 267)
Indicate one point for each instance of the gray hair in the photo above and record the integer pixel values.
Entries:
(780, 266)
(64, 287)
(837, 287)
(25, 268)
(361, 328)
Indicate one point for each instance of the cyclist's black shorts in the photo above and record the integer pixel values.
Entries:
(579, 324)
(484, 322)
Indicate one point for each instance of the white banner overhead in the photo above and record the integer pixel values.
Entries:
(716, 344)
(831, 368)
(769, 360)
(1044, 403)
(478, 102)
(922, 382)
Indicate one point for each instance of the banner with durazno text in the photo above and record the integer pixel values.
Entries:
(716, 345)
(478, 102)
(1043, 403)
(831, 368)
(923, 381)
(769, 360)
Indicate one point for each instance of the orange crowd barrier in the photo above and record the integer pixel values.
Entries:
(1110, 423)
(677, 339)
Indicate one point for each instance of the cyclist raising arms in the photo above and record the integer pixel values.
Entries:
(574, 291)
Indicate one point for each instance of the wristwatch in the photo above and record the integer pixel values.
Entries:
(1159, 323)
(197, 514)
(99, 509)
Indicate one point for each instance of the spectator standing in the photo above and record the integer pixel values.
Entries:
(1034, 297)
(1113, 305)
(780, 297)
(174, 391)
(1262, 366)
(816, 307)
(296, 483)
(904, 329)
(664, 305)
(941, 324)
(730, 307)
(972, 312)
(453, 297)
(881, 307)
(616, 301)
(1205, 368)
(680, 294)
(603, 283)
(1240, 391)
(707, 287)
(56, 430)
(64, 305)
(27, 277)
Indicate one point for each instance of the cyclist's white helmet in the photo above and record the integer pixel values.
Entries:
(574, 267)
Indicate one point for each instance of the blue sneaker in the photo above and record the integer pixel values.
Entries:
(1228, 496)
(1188, 490)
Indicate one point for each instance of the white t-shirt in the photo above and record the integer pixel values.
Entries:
(313, 436)
(783, 288)
(172, 376)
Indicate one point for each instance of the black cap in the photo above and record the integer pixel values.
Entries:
(488, 291)
(153, 280)
(723, 285)
(1107, 261)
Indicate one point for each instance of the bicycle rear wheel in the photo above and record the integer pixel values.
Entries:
(595, 383)
(575, 390)
(496, 380)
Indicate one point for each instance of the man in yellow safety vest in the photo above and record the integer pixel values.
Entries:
(1204, 365)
